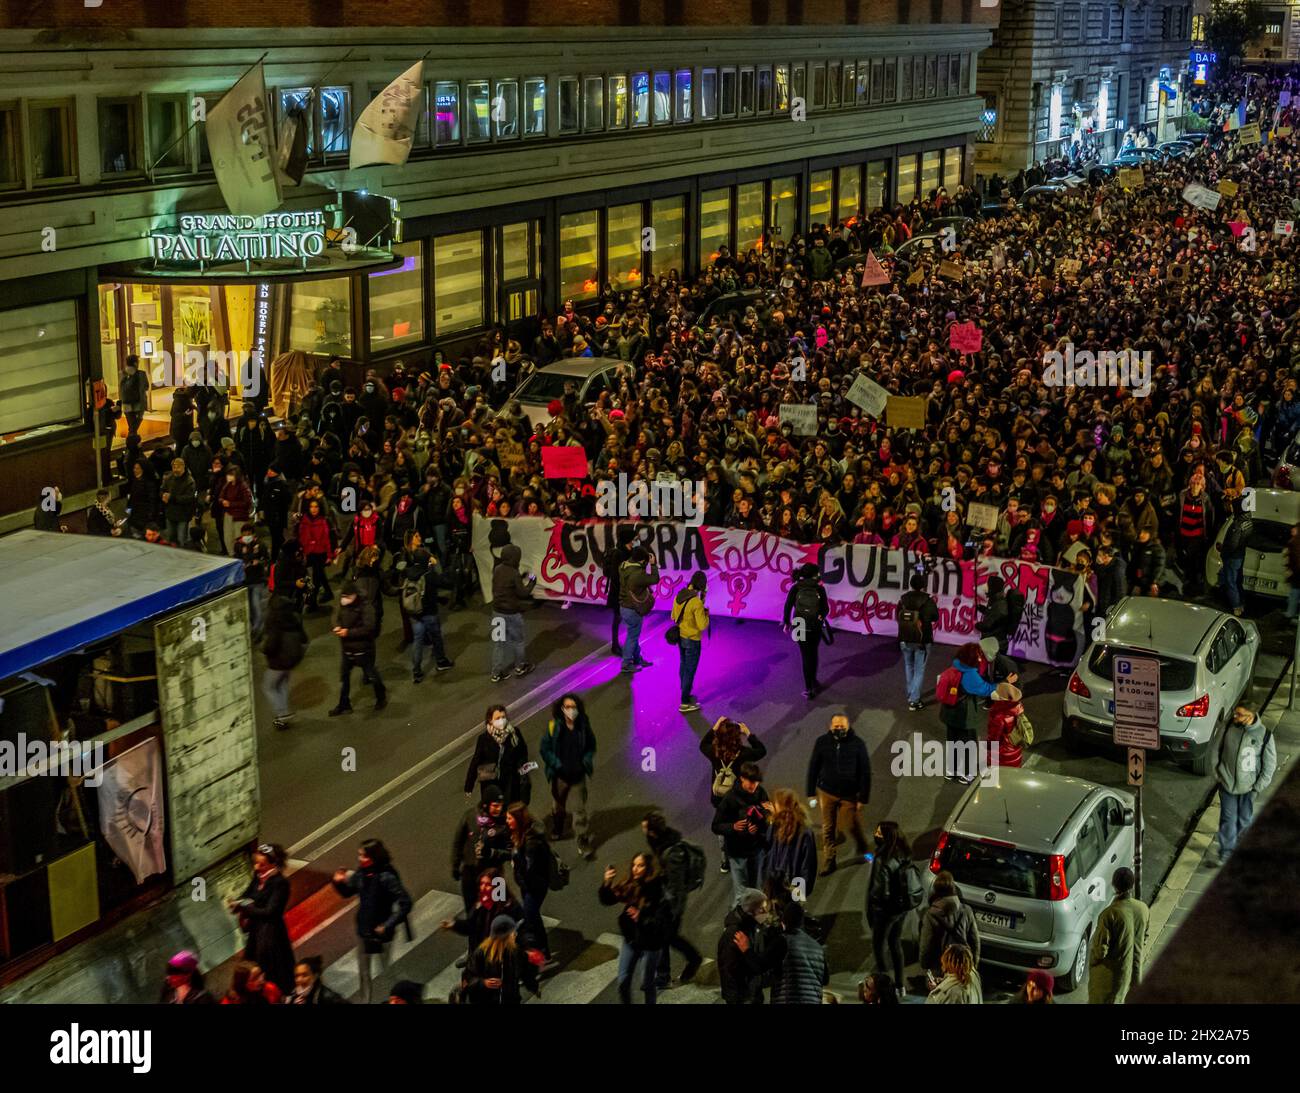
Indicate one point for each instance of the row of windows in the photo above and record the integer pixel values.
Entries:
(152, 133)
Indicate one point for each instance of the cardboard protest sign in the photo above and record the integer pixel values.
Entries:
(511, 453)
(916, 277)
(951, 270)
(1131, 178)
(869, 395)
(982, 516)
(1201, 197)
(1249, 134)
(1283, 227)
(1227, 187)
(875, 273)
(905, 412)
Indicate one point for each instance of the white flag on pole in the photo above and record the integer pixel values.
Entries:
(241, 139)
(131, 809)
(386, 129)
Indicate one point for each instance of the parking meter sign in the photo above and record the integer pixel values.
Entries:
(1137, 701)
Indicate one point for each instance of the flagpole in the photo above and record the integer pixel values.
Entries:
(195, 122)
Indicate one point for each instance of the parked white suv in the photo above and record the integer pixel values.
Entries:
(1264, 572)
(1033, 858)
(1207, 660)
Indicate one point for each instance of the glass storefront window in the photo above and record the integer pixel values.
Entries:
(663, 98)
(952, 169)
(728, 92)
(640, 99)
(819, 197)
(535, 107)
(877, 181)
(169, 146)
(478, 112)
(457, 282)
(906, 179)
(708, 94)
(782, 88)
(446, 112)
(715, 224)
(119, 136)
(505, 110)
(764, 90)
(515, 263)
(930, 173)
(593, 103)
(579, 255)
(40, 368)
(749, 217)
(617, 102)
(746, 91)
(783, 207)
(110, 331)
(684, 105)
(335, 119)
(320, 316)
(397, 301)
(623, 245)
(568, 104)
(850, 192)
(668, 218)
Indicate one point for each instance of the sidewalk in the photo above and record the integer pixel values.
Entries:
(1194, 869)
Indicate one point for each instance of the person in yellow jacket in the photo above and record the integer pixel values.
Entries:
(692, 619)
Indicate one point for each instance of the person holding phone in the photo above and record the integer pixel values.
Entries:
(692, 618)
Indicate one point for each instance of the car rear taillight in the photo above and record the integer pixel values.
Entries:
(1078, 687)
(1282, 478)
(1199, 708)
(1056, 868)
(935, 865)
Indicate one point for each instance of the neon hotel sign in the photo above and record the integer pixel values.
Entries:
(275, 236)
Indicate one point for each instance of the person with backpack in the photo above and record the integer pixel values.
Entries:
(800, 970)
(806, 610)
(383, 905)
(839, 783)
(1000, 616)
(500, 759)
(421, 582)
(690, 618)
(682, 866)
(894, 891)
(727, 745)
(531, 858)
(613, 562)
(284, 646)
(1232, 551)
(636, 601)
(644, 922)
(742, 819)
(509, 594)
(356, 628)
(568, 755)
(959, 691)
(946, 921)
(1008, 727)
(917, 614)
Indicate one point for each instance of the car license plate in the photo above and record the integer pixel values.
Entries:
(1110, 705)
(1260, 582)
(995, 918)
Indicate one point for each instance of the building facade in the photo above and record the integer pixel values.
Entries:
(548, 163)
(1057, 66)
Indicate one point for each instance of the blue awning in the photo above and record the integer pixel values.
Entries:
(62, 592)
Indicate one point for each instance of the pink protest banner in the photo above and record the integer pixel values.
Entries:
(966, 337)
(875, 273)
(750, 572)
(564, 461)
(1237, 226)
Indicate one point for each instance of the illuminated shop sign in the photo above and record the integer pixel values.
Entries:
(217, 239)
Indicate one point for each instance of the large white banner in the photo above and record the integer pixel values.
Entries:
(241, 139)
(750, 573)
(386, 129)
(131, 809)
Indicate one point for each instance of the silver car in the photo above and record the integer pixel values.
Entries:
(1207, 659)
(1033, 858)
(588, 376)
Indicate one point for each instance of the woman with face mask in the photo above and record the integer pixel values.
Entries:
(500, 759)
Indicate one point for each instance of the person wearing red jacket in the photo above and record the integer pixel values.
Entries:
(236, 501)
(362, 532)
(316, 537)
(1006, 707)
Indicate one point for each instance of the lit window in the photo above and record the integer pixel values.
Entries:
(708, 94)
(988, 120)
(833, 84)
(906, 179)
(505, 110)
(534, 107)
(749, 217)
(397, 301)
(478, 111)
(335, 119)
(684, 106)
(623, 254)
(864, 82)
(799, 83)
(764, 90)
(1054, 113)
(320, 316)
(715, 224)
(446, 112)
(877, 184)
(850, 193)
(40, 368)
(640, 99)
(457, 282)
(617, 102)
(579, 256)
(663, 98)
(849, 93)
(299, 102)
(820, 184)
(782, 88)
(668, 218)
(952, 169)
(516, 259)
(783, 207)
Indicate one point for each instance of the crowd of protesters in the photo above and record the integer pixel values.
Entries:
(1129, 489)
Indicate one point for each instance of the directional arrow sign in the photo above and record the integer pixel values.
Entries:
(1137, 766)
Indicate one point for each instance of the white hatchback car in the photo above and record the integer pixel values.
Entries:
(1264, 570)
(1033, 858)
(1207, 660)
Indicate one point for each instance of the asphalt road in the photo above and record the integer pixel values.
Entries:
(410, 762)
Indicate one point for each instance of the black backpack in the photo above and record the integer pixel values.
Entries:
(910, 627)
(807, 602)
(1015, 608)
(692, 864)
(557, 873)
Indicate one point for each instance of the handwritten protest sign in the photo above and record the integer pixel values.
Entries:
(869, 395)
(801, 416)
(966, 338)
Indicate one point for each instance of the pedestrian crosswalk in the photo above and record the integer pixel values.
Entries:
(586, 974)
